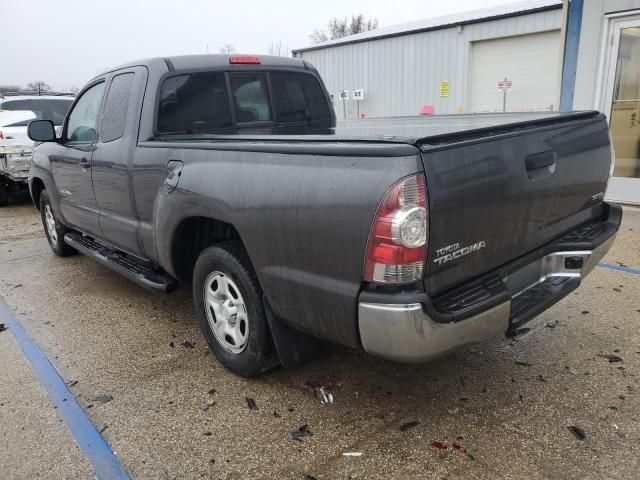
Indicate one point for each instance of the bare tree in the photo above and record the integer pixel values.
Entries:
(318, 36)
(74, 90)
(227, 48)
(39, 86)
(343, 27)
(278, 49)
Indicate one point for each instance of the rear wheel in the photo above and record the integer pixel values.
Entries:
(54, 230)
(230, 310)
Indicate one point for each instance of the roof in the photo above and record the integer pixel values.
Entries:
(465, 18)
(8, 117)
(206, 60)
(36, 97)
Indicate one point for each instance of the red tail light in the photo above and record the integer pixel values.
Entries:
(1, 135)
(397, 246)
(244, 60)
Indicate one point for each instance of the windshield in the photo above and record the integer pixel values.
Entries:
(44, 109)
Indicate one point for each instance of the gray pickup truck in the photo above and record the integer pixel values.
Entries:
(406, 237)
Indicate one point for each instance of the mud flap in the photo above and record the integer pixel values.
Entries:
(294, 348)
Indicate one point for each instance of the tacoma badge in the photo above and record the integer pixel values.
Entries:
(453, 252)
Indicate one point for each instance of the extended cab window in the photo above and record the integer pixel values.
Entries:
(195, 102)
(299, 97)
(114, 113)
(250, 98)
(81, 126)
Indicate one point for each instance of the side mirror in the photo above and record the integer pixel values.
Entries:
(41, 131)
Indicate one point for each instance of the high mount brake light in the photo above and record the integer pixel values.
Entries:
(397, 246)
(244, 60)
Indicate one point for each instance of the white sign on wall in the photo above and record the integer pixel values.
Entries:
(343, 94)
(358, 94)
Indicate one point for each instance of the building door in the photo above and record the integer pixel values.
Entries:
(531, 62)
(622, 105)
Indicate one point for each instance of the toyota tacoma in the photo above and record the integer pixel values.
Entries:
(405, 237)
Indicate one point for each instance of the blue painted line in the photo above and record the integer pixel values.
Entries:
(632, 271)
(104, 462)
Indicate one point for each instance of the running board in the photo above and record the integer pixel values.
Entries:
(135, 271)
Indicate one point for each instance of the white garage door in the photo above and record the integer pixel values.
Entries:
(531, 61)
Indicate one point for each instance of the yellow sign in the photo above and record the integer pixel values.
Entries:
(444, 89)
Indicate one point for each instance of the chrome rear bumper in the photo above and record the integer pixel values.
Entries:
(407, 333)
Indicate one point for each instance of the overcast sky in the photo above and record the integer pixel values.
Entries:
(66, 42)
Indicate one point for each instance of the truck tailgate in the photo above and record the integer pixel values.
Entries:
(497, 194)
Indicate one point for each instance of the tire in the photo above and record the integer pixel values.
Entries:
(54, 230)
(230, 310)
(5, 192)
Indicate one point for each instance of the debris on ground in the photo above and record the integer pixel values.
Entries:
(188, 344)
(618, 432)
(611, 358)
(172, 345)
(73, 383)
(302, 432)
(251, 403)
(439, 445)
(579, 433)
(326, 397)
(523, 364)
(103, 429)
(309, 477)
(406, 426)
(553, 324)
(2, 327)
(210, 403)
(352, 454)
(584, 312)
(212, 391)
(102, 398)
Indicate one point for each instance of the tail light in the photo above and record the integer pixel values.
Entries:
(397, 246)
(1, 135)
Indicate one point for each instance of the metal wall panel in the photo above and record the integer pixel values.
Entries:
(401, 74)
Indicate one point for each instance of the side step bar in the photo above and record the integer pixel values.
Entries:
(136, 271)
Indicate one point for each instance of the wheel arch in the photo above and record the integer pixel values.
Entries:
(36, 187)
(192, 235)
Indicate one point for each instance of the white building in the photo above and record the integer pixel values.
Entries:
(452, 63)
(557, 55)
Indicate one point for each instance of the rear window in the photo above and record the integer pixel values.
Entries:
(195, 102)
(250, 97)
(299, 97)
(44, 109)
(200, 102)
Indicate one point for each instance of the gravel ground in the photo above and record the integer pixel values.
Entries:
(497, 410)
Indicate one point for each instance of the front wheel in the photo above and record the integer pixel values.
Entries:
(230, 310)
(54, 230)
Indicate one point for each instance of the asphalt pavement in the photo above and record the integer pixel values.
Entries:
(560, 401)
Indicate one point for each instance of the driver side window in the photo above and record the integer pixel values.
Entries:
(81, 127)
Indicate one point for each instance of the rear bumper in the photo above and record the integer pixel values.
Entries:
(420, 330)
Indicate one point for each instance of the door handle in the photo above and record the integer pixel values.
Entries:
(175, 171)
(84, 163)
(540, 164)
